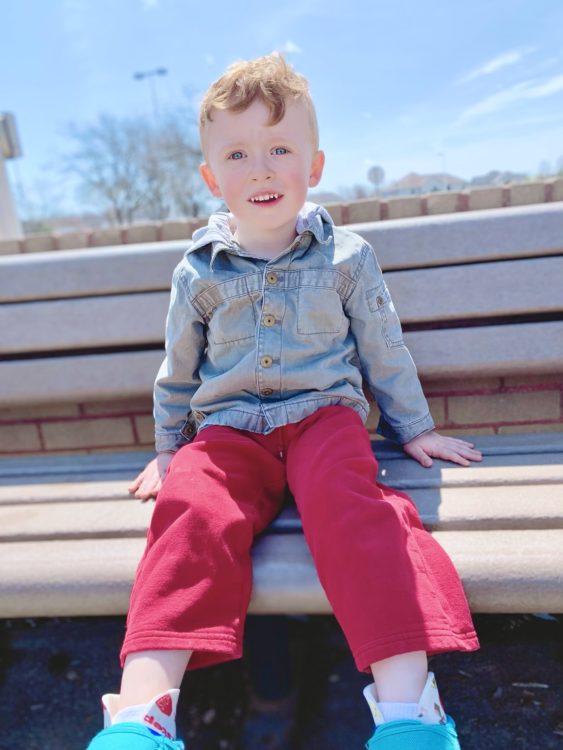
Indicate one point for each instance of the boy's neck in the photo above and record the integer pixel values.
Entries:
(262, 243)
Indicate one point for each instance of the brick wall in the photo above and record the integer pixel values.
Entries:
(494, 406)
(354, 212)
(477, 407)
(77, 428)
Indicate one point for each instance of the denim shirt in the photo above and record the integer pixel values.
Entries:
(256, 344)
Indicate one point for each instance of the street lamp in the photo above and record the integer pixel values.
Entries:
(151, 74)
(444, 178)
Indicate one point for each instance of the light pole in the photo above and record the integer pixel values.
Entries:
(444, 179)
(151, 74)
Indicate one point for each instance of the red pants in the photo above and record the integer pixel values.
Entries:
(392, 587)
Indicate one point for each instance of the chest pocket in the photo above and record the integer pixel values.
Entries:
(319, 310)
(234, 319)
(380, 302)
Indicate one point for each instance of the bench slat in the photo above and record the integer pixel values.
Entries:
(122, 320)
(90, 272)
(508, 507)
(438, 294)
(502, 571)
(518, 232)
(501, 451)
(524, 349)
(540, 463)
(82, 378)
(473, 292)
(504, 233)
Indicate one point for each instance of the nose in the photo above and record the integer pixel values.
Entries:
(261, 170)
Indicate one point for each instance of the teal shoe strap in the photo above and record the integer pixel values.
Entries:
(132, 736)
(414, 735)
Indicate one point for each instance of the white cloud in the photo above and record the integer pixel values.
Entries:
(517, 93)
(290, 48)
(498, 62)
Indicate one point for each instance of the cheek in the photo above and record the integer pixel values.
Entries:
(230, 185)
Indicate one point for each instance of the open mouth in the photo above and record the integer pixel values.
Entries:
(266, 198)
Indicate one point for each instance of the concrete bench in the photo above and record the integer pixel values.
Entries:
(479, 294)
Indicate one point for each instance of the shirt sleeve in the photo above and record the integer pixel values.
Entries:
(178, 377)
(385, 362)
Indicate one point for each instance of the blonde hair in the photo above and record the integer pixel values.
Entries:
(270, 79)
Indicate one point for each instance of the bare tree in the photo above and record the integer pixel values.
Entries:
(544, 169)
(355, 192)
(176, 161)
(138, 170)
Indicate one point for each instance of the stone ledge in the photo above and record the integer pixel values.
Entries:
(353, 212)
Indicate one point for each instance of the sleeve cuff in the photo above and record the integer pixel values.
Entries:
(404, 433)
(170, 442)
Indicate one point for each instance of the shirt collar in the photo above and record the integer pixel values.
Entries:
(219, 230)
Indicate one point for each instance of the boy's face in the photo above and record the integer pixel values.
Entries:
(262, 171)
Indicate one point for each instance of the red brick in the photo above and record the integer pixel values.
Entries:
(504, 407)
(87, 433)
(19, 438)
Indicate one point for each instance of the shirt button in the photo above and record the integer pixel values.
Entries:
(272, 278)
(269, 320)
(267, 391)
(379, 301)
(266, 361)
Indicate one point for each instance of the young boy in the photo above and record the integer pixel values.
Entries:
(276, 319)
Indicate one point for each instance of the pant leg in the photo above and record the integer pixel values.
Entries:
(392, 587)
(193, 584)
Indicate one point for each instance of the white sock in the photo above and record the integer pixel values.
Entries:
(131, 713)
(159, 714)
(395, 711)
(428, 710)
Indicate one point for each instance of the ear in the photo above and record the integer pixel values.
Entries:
(317, 169)
(209, 178)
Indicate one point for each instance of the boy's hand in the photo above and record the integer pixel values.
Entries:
(433, 445)
(149, 481)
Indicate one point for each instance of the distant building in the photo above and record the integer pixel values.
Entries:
(495, 177)
(417, 184)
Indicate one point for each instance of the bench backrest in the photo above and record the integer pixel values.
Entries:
(479, 293)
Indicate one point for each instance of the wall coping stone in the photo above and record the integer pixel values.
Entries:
(367, 209)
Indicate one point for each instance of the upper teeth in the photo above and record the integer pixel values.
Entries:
(268, 197)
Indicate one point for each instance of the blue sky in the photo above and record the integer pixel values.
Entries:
(408, 85)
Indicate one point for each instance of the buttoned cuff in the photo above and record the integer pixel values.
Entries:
(170, 442)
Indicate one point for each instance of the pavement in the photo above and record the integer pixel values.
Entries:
(507, 696)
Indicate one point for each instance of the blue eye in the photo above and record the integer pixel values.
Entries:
(280, 151)
(236, 155)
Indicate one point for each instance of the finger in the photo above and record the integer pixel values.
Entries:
(454, 457)
(135, 484)
(462, 447)
(455, 444)
(421, 456)
(469, 453)
(144, 494)
(143, 490)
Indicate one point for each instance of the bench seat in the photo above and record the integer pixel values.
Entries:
(70, 537)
